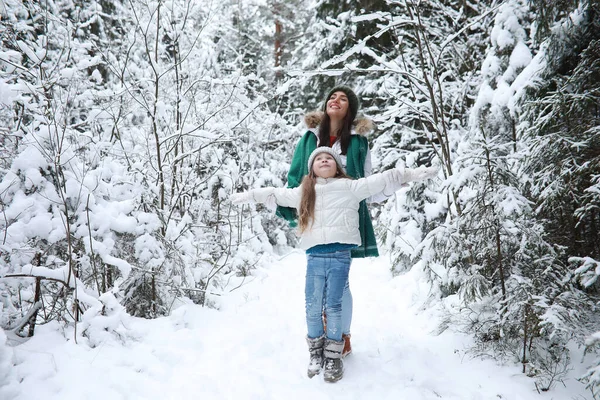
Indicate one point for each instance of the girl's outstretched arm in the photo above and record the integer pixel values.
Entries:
(418, 174)
(281, 196)
(389, 181)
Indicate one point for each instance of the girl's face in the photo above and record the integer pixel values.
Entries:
(337, 105)
(324, 166)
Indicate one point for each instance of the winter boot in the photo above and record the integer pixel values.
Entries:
(347, 346)
(334, 367)
(315, 347)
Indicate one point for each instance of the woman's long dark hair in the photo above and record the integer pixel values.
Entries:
(343, 136)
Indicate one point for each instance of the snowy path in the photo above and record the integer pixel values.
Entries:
(253, 348)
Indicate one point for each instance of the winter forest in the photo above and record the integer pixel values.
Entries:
(125, 125)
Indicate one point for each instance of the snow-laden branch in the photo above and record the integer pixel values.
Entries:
(588, 271)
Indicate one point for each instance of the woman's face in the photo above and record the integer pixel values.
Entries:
(337, 105)
(324, 166)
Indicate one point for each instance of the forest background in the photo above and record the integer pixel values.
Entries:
(126, 125)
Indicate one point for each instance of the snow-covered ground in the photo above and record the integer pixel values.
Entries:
(254, 348)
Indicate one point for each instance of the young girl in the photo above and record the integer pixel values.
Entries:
(327, 202)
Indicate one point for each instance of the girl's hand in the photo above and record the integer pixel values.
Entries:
(241, 198)
(418, 174)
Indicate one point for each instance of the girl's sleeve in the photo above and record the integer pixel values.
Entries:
(389, 189)
(283, 196)
(376, 183)
(390, 180)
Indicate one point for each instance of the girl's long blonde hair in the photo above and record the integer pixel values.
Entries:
(309, 198)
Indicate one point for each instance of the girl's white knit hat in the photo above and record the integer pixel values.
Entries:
(328, 150)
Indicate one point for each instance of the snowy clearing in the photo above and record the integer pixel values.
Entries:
(253, 348)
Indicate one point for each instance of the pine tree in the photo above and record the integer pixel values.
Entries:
(330, 52)
(496, 255)
(424, 98)
(561, 129)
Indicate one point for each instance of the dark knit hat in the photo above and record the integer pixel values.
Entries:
(353, 103)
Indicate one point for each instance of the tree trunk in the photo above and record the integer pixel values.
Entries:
(36, 299)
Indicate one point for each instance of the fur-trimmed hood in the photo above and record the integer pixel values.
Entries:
(361, 125)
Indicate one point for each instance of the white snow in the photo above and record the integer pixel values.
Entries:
(254, 348)
(123, 266)
(520, 56)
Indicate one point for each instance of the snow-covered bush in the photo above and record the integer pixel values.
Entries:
(125, 136)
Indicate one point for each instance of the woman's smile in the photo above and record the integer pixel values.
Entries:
(337, 105)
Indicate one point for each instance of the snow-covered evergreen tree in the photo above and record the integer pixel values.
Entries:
(423, 97)
(560, 129)
(495, 254)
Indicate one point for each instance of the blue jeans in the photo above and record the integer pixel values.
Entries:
(346, 308)
(326, 283)
(347, 304)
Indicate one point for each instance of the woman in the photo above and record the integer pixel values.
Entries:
(336, 126)
(328, 203)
